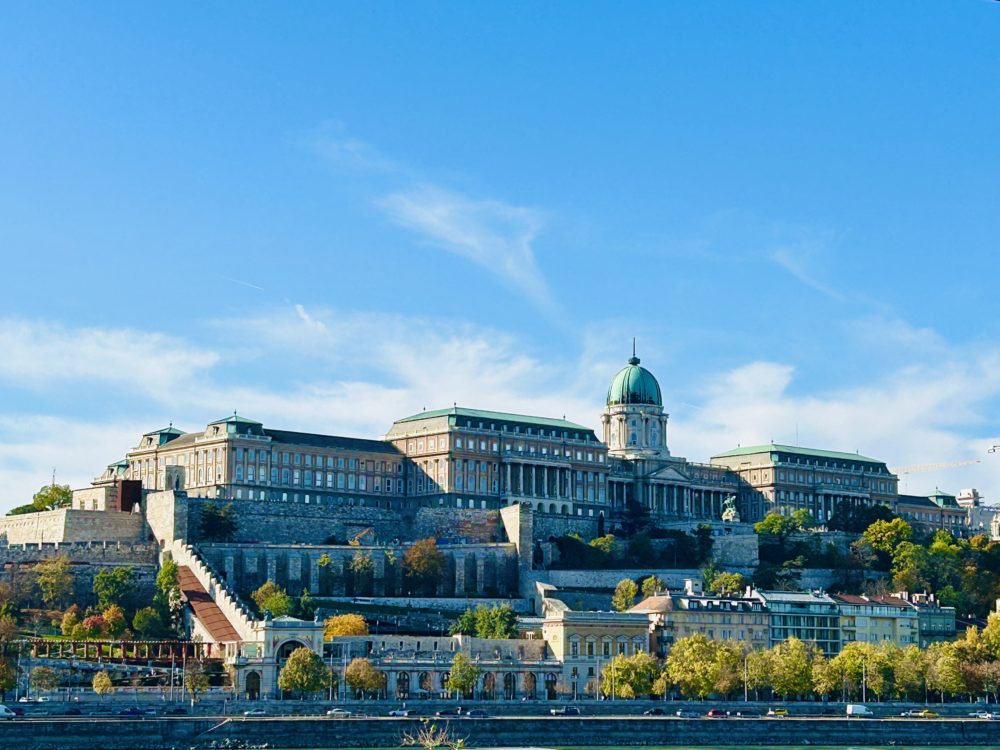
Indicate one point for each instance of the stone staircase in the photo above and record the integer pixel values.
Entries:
(217, 607)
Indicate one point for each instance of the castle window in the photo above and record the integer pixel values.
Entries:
(296, 476)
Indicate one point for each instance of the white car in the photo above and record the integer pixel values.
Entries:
(338, 713)
(6, 713)
(255, 712)
(399, 712)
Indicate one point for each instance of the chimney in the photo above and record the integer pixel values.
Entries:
(692, 587)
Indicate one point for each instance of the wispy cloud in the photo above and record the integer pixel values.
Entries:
(492, 234)
(796, 262)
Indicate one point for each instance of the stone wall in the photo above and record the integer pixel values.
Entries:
(606, 580)
(470, 569)
(70, 525)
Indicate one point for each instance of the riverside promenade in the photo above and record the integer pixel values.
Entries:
(315, 732)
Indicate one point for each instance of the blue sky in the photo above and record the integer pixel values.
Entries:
(332, 215)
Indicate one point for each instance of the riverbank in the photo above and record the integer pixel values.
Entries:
(184, 733)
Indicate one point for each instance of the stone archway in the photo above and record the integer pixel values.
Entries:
(489, 686)
(530, 684)
(285, 650)
(509, 686)
(551, 683)
(252, 683)
(402, 686)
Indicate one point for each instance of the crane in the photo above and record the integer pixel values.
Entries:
(356, 541)
(919, 468)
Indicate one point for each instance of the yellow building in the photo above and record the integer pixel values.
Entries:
(877, 619)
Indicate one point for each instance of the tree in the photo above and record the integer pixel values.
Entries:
(605, 544)
(630, 676)
(498, 622)
(465, 624)
(424, 563)
(115, 586)
(728, 584)
(70, 619)
(463, 675)
(911, 673)
(218, 522)
(791, 672)
(652, 585)
(43, 678)
(304, 672)
(8, 677)
(195, 678)
(778, 526)
(92, 627)
(55, 580)
(690, 666)
(885, 536)
(114, 616)
(272, 598)
(344, 625)
(102, 684)
(49, 497)
(804, 519)
(624, 596)
(167, 598)
(363, 568)
(147, 623)
(363, 678)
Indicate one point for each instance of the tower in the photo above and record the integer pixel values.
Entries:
(634, 423)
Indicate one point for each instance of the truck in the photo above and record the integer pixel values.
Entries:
(858, 709)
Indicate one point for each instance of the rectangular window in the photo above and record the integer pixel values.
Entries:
(352, 481)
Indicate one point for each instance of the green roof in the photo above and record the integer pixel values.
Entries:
(811, 452)
(495, 416)
(234, 420)
(634, 385)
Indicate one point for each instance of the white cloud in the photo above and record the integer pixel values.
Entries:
(492, 234)
(38, 353)
(796, 260)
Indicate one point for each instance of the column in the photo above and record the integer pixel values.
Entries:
(313, 574)
(508, 488)
(545, 481)
(459, 573)
(520, 480)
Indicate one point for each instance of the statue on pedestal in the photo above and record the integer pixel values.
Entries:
(729, 512)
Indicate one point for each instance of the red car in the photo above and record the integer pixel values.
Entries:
(716, 713)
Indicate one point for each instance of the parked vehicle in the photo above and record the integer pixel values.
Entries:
(654, 711)
(6, 713)
(338, 713)
(400, 712)
(565, 711)
(476, 713)
(132, 711)
(716, 713)
(255, 712)
(687, 713)
(176, 711)
(450, 712)
(859, 710)
(777, 712)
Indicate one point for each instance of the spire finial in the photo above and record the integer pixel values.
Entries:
(633, 346)
(633, 360)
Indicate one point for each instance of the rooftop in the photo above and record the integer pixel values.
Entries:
(811, 452)
(494, 416)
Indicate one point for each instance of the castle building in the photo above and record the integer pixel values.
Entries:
(785, 478)
(471, 458)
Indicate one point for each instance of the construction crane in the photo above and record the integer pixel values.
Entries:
(920, 468)
(356, 541)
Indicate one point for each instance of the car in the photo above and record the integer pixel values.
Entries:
(26, 699)
(980, 715)
(747, 714)
(919, 713)
(71, 711)
(476, 713)
(175, 711)
(777, 712)
(716, 713)
(654, 711)
(928, 714)
(338, 713)
(400, 712)
(6, 713)
(255, 712)
(565, 711)
(687, 713)
(132, 711)
(449, 712)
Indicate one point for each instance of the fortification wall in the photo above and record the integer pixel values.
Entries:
(324, 570)
(71, 525)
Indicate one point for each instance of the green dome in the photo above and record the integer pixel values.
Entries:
(634, 385)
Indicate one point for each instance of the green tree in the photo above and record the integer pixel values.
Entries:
(778, 526)
(463, 675)
(8, 677)
(624, 596)
(652, 585)
(114, 616)
(102, 684)
(272, 598)
(630, 676)
(910, 673)
(70, 619)
(791, 669)
(195, 678)
(691, 665)
(218, 523)
(424, 563)
(804, 520)
(465, 624)
(944, 669)
(167, 598)
(363, 568)
(909, 567)
(304, 672)
(115, 586)
(498, 622)
(605, 544)
(728, 584)
(147, 623)
(52, 496)
(54, 578)
(339, 626)
(43, 678)
(363, 678)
